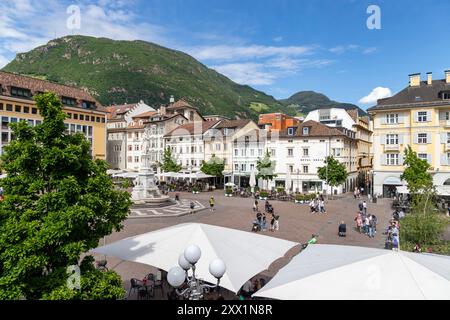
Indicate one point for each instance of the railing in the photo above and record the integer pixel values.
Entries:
(392, 147)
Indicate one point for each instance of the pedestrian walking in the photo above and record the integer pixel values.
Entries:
(255, 206)
(276, 225)
(192, 207)
(212, 203)
(272, 224)
(322, 206)
(359, 222)
(365, 207)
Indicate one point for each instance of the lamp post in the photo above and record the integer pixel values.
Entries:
(179, 276)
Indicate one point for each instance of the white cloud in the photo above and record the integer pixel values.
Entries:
(227, 52)
(278, 39)
(247, 73)
(370, 50)
(352, 48)
(3, 61)
(375, 95)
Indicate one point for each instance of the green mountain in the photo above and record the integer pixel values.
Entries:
(305, 101)
(117, 72)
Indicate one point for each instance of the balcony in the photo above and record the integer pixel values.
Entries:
(392, 147)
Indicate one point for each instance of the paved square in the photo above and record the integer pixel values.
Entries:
(296, 224)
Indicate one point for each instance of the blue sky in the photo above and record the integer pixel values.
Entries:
(277, 46)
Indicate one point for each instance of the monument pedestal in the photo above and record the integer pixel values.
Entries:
(145, 190)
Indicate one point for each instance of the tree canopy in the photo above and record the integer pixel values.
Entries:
(334, 172)
(266, 168)
(215, 167)
(169, 164)
(58, 203)
(416, 172)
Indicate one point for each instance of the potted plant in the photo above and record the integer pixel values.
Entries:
(228, 192)
(280, 189)
(195, 190)
(299, 198)
(263, 195)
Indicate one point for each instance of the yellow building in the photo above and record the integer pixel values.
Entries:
(86, 115)
(418, 116)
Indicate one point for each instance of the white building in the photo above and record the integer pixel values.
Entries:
(302, 150)
(187, 144)
(120, 117)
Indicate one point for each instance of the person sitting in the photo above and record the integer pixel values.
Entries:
(342, 229)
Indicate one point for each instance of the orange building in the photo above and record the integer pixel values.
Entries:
(277, 121)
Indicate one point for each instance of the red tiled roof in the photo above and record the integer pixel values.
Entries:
(233, 124)
(146, 114)
(180, 104)
(8, 80)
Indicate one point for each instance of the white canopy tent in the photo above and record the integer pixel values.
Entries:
(245, 254)
(443, 191)
(330, 272)
(252, 181)
(129, 175)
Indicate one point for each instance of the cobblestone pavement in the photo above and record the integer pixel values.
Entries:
(296, 224)
(180, 209)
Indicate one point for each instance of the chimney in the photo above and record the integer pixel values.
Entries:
(172, 99)
(430, 78)
(414, 80)
(447, 76)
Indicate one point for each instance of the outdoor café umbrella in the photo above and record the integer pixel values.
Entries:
(253, 181)
(330, 272)
(245, 254)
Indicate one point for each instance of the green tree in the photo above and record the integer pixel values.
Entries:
(266, 168)
(424, 226)
(213, 167)
(334, 173)
(58, 204)
(169, 164)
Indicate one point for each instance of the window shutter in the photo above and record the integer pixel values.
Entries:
(443, 137)
(442, 115)
(400, 139)
(383, 119)
(416, 117)
(444, 160)
(430, 159)
(429, 116)
(401, 118)
(429, 138)
(383, 160)
(383, 139)
(416, 138)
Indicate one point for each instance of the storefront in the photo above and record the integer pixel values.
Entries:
(390, 186)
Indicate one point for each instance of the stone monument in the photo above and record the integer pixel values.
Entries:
(145, 191)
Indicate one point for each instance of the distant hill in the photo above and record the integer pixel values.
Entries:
(117, 72)
(305, 101)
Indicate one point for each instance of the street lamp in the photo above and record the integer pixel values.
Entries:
(178, 276)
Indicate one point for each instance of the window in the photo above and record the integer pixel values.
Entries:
(306, 152)
(392, 118)
(273, 152)
(130, 148)
(446, 96)
(290, 152)
(1, 106)
(68, 101)
(136, 159)
(236, 152)
(422, 116)
(89, 105)
(305, 169)
(98, 119)
(130, 159)
(9, 107)
(81, 117)
(20, 92)
(136, 147)
(5, 123)
(305, 131)
(252, 152)
(291, 168)
(103, 120)
(422, 138)
(392, 159)
(392, 139)
(236, 167)
(217, 146)
(290, 131)
(26, 109)
(18, 108)
(337, 152)
(423, 156)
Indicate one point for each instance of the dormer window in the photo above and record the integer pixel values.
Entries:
(20, 92)
(68, 101)
(306, 131)
(446, 96)
(88, 105)
(291, 131)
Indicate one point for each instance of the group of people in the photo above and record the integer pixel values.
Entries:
(393, 231)
(318, 205)
(261, 221)
(366, 223)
